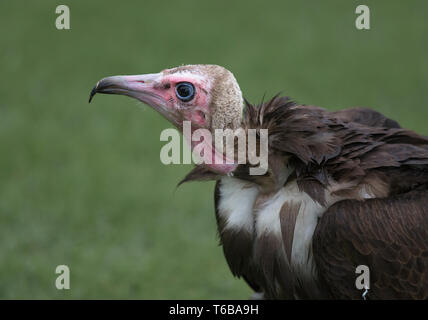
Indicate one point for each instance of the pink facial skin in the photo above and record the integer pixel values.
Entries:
(196, 111)
(201, 142)
(158, 91)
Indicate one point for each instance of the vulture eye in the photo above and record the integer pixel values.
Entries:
(185, 91)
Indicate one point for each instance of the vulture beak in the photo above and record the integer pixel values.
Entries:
(141, 87)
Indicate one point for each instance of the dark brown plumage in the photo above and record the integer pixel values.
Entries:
(389, 235)
(339, 152)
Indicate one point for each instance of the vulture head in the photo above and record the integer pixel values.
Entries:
(206, 95)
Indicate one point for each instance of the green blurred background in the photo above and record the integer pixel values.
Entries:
(83, 185)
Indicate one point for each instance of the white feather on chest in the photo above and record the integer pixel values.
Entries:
(237, 208)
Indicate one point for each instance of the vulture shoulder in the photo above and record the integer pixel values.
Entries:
(365, 116)
(389, 236)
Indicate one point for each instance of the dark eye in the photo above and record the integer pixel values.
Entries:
(185, 91)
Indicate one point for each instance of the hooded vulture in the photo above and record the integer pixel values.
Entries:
(342, 189)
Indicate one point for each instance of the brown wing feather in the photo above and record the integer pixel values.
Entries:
(366, 117)
(390, 236)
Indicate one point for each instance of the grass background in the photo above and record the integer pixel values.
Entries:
(83, 185)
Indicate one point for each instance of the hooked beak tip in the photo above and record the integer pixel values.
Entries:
(93, 92)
